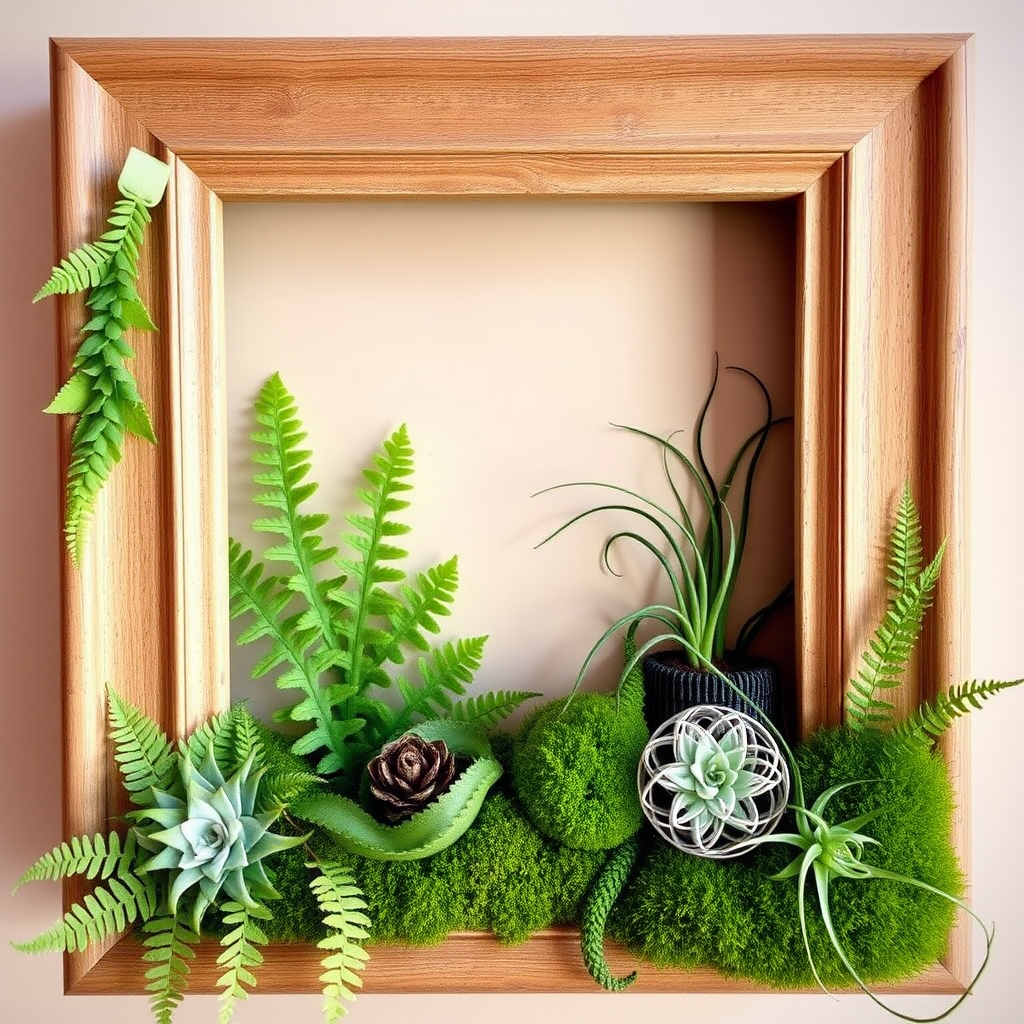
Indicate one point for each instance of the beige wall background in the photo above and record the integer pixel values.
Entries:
(29, 695)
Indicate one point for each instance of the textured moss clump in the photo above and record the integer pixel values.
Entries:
(574, 768)
(684, 911)
(501, 876)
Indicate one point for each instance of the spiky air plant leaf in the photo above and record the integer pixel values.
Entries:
(701, 566)
(101, 390)
(211, 837)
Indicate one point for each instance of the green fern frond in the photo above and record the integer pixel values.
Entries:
(892, 645)
(343, 908)
(168, 945)
(265, 599)
(101, 390)
(418, 609)
(86, 266)
(487, 709)
(905, 547)
(599, 902)
(102, 912)
(92, 856)
(374, 560)
(934, 717)
(233, 734)
(449, 670)
(287, 466)
(240, 955)
(142, 752)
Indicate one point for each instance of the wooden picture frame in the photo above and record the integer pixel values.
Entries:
(870, 134)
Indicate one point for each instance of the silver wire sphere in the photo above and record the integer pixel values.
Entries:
(712, 780)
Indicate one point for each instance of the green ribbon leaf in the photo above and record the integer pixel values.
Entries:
(431, 830)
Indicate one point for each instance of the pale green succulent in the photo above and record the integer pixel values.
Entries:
(711, 779)
(211, 838)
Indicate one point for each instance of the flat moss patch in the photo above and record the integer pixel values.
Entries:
(686, 911)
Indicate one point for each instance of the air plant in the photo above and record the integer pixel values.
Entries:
(837, 850)
(701, 569)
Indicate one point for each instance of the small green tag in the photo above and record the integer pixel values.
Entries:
(143, 177)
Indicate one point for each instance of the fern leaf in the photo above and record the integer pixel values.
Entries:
(487, 709)
(168, 945)
(934, 717)
(264, 600)
(905, 548)
(286, 466)
(93, 857)
(87, 265)
(102, 912)
(449, 670)
(419, 609)
(240, 955)
(101, 390)
(344, 915)
(893, 642)
(142, 752)
(600, 900)
(233, 735)
(371, 566)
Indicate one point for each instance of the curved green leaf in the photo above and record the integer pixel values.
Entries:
(424, 834)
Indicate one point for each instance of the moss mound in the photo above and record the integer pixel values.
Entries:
(502, 876)
(574, 769)
(685, 911)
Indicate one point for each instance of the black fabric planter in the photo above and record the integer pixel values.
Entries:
(672, 684)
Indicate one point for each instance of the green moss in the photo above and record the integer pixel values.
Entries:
(574, 769)
(684, 911)
(501, 876)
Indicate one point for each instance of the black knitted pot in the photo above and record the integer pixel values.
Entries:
(672, 684)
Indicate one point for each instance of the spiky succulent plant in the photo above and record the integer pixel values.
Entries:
(209, 835)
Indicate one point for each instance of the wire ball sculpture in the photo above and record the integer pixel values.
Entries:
(712, 780)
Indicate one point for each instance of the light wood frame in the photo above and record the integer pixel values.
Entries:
(870, 134)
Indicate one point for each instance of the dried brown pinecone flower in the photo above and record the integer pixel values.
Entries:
(410, 773)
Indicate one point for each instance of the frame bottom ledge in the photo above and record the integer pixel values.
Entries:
(465, 962)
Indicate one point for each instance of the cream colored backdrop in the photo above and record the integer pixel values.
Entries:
(29, 697)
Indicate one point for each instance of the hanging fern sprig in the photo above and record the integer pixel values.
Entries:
(101, 390)
(343, 908)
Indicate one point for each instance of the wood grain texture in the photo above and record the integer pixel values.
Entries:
(871, 135)
(549, 961)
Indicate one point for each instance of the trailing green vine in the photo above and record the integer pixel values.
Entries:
(101, 390)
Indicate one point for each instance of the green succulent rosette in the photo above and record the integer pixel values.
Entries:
(209, 835)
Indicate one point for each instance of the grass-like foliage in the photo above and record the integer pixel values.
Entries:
(334, 636)
(892, 645)
(701, 563)
(101, 391)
